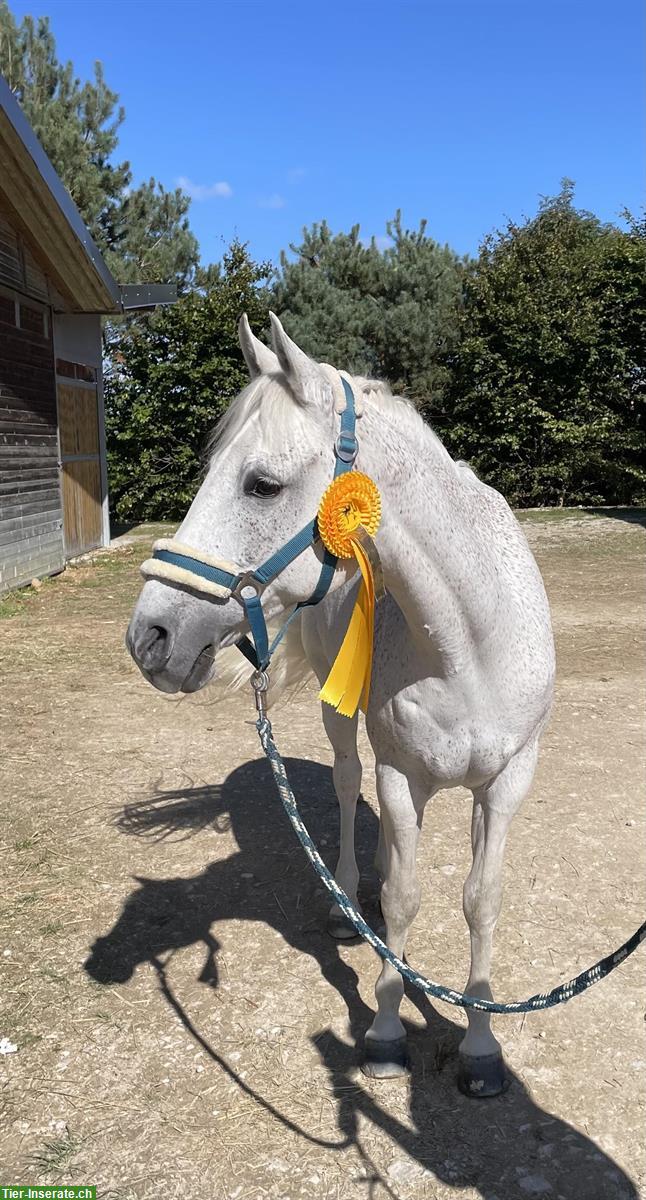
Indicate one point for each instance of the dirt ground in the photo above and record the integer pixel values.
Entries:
(183, 1023)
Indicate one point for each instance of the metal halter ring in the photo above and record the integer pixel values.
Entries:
(260, 684)
(248, 580)
(260, 681)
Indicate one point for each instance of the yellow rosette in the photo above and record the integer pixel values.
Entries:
(350, 506)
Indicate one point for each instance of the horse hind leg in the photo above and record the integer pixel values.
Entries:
(342, 732)
(481, 1066)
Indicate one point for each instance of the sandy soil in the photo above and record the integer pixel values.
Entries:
(183, 1022)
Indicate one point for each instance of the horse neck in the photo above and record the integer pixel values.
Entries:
(436, 562)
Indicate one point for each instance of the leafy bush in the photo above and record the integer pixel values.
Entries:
(174, 374)
(547, 389)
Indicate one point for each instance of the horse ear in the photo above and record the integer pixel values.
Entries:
(303, 375)
(259, 358)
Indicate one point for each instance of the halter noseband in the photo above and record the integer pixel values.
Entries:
(172, 561)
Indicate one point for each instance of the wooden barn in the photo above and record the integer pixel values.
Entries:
(54, 287)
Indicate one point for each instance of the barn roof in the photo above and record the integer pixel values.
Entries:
(44, 212)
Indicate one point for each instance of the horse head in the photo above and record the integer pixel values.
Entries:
(273, 457)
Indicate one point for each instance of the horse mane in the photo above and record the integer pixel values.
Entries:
(403, 413)
(269, 399)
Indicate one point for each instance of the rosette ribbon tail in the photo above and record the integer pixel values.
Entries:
(348, 685)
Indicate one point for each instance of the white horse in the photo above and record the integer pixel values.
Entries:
(463, 664)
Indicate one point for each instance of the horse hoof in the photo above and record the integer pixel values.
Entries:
(482, 1076)
(385, 1060)
(339, 927)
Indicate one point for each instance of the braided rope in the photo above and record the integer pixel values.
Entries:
(558, 995)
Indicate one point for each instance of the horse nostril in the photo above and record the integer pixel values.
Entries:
(152, 648)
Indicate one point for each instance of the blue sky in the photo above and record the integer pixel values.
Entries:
(277, 113)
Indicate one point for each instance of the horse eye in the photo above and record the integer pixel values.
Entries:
(263, 488)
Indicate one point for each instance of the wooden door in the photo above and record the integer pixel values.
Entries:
(78, 422)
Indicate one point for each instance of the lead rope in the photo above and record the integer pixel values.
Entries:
(558, 995)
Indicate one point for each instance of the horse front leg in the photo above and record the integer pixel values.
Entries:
(482, 1070)
(342, 732)
(385, 1053)
(381, 860)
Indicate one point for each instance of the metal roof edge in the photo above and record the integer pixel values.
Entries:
(146, 295)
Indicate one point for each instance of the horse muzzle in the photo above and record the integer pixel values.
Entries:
(173, 639)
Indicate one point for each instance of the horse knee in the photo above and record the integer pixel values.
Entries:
(481, 901)
(400, 902)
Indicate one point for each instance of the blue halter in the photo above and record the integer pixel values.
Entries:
(248, 586)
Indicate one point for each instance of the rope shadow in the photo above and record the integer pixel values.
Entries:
(505, 1148)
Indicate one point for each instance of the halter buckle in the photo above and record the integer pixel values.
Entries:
(346, 447)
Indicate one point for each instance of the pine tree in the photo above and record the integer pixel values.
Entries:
(151, 238)
(390, 313)
(76, 123)
(138, 229)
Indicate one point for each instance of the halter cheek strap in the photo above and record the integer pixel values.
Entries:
(175, 562)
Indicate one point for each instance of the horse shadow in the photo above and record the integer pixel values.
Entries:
(634, 516)
(503, 1148)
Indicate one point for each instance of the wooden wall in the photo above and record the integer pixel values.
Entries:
(53, 476)
(18, 267)
(31, 518)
